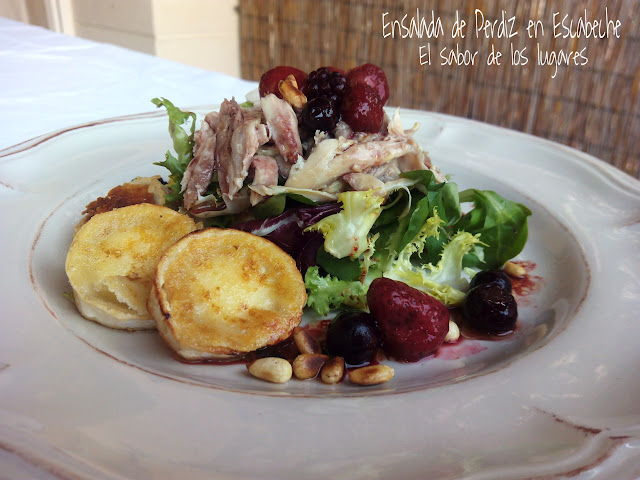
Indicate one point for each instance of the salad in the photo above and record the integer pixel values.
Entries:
(315, 164)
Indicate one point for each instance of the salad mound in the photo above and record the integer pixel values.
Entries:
(349, 206)
(382, 239)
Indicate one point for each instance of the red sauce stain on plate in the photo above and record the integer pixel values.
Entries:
(460, 349)
(527, 285)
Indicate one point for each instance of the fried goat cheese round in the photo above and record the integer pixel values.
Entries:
(221, 293)
(112, 260)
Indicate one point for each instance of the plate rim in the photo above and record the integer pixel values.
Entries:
(622, 180)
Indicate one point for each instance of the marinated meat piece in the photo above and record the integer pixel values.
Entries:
(238, 137)
(271, 150)
(229, 111)
(342, 130)
(362, 181)
(244, 143)
(265, 173)
(389, 171)
(198, 174)
(328, 161)
(381, 156)
(283, 126)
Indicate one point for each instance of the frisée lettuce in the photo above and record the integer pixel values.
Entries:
(345, 233)
(182, 130)
(422, 237)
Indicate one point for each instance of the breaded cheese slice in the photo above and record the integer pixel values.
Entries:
(112, 260)
(139, 190)
(220, 293)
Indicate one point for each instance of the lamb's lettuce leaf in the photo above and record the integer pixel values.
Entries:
(501, 224)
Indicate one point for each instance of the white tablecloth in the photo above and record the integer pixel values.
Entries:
(50, 81)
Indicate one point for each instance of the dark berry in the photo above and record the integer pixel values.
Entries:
(492, 276)
(271, 78)
(320, 114)
(353, 335)
(373, 76)
(412, 324)
(361, 109)
(488, 308)
(326, 82)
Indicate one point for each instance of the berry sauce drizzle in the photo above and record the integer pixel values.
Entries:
(524, 287)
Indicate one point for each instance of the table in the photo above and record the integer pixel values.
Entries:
(50, 81)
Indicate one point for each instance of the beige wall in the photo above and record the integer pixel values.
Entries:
(202, 33)
(27, 11)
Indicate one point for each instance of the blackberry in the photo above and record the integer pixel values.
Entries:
(320, 114)
(324, 82)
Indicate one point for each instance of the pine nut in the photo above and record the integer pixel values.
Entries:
(271, 369)
(514, 270)
(333, 370)
(308, 365)
(305, 341)
(371, 375)
(453, 334)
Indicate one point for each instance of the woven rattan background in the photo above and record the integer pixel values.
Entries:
(594, 108)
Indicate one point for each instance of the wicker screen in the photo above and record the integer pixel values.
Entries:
(593, 107)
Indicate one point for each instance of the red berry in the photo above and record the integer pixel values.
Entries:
(361, 109)
(373, 76)
(412, 324)
(271, 78)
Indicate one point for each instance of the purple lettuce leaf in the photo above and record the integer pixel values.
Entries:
(287, 231)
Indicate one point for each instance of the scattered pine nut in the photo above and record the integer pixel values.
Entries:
(308, 365)
(514, 270)
(453, 334)
(333, 370)
(271, 369)
(371, 375)
(305, 341)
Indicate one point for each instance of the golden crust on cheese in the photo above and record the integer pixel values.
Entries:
(112, 260)
(220, 293)
(139, 190)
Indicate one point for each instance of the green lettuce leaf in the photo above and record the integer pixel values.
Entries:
(401, 221)
(500, 223)
(325, 293)
(344, 268)
(181, 128)
(444, 280)
(345, 233)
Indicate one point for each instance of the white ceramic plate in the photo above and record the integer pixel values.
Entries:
(557, 399)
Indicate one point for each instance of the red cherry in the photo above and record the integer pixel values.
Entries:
(271, 78)
(362, 109)
(373, 76)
